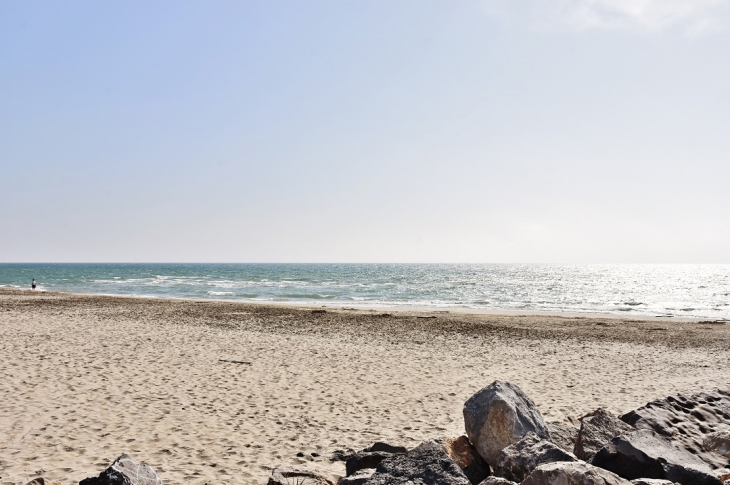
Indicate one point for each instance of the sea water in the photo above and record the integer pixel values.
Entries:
(701, 291)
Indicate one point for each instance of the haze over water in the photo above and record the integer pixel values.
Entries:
(701, 291)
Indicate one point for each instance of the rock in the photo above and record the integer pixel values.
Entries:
(427, 464)
(365, 459)
(645, 454)
(380, 446)
(719, 442)
(294, 475)
(499, 415)
(563, 435)
(597, 429)
(722, 473)
(651, 481)
(686, 421)
(572, 473)
(496, 481)
(371, 457)
(517, 461)
(42, 481)
(359, 478)
(124, 471)
(342, 455)
(465, 455)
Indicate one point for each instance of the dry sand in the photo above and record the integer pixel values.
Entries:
(86, 378)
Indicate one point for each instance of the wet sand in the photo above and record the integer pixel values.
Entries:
(220, 392)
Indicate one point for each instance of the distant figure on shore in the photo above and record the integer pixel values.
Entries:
(32, 284)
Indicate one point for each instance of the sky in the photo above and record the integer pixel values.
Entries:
(572, 131)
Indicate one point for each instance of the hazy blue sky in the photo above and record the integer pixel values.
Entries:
(370, 131)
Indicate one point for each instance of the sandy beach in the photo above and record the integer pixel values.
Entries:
(220, 392)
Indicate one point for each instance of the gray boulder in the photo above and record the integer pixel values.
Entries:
(572, 473)
(465, 455)
(496, 481)
(498, 416)
(359, 478)
(597, 429)
(718, 442)
(686, 421)
(289, 475)
(427, 464)
(644, 454)
(722, 473)
(343, 455)
(563, 435)
(124, 471)
(380, 446)
(517, 461)
(364, 459)
(651, 481)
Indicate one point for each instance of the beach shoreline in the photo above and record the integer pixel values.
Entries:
(686, 292)
(395, 308)
(219, 391)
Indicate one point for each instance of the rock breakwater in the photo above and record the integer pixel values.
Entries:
(678, 440)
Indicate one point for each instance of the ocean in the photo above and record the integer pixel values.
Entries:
(701, 291)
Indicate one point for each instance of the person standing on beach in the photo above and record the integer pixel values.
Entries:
(32, 284)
